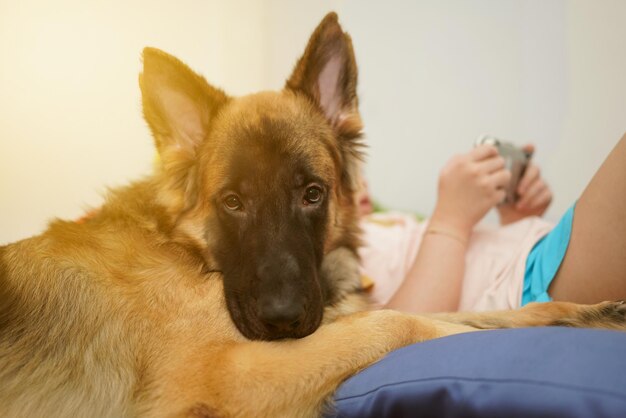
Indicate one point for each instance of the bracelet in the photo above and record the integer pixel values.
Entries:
(450, 234)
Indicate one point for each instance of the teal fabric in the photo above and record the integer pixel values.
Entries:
(545, 259)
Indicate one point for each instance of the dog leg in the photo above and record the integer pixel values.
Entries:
(293, 378)
(606, 315)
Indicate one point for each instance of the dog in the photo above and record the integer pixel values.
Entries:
(226, 284)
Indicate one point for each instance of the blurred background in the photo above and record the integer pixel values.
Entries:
(434, 75)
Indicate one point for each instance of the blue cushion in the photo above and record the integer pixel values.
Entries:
(530, 372)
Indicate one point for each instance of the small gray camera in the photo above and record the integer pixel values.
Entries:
(515, 160)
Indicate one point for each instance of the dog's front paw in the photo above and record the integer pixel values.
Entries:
(613, 313)
(606, 315)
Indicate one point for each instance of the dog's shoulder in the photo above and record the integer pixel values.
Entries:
(6, 297)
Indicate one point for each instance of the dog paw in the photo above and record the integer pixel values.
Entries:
(613, 312)
(605, 315)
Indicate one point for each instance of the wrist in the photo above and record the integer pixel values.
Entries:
(459, 227)
(508, 214)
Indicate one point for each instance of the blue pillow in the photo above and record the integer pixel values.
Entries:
(530, 372)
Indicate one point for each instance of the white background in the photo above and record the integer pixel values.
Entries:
(433, 76)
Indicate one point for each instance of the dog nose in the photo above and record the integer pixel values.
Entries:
(281, 315)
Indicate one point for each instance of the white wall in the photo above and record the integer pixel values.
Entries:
(70, 115)
(433, 75)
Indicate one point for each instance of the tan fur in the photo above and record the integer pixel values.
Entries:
(125, 315)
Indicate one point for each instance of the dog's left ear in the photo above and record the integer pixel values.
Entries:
(327, 74)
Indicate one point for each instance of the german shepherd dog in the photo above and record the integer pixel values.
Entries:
(226, 284)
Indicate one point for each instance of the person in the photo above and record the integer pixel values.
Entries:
(451, 262)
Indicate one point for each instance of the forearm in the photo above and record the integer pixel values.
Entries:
(434, 282)
(469, 186)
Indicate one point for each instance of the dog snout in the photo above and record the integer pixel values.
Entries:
(283, 315)
(282, 299)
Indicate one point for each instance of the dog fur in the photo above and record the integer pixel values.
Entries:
(226, 284)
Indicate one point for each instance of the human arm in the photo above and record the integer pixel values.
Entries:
(469, 185)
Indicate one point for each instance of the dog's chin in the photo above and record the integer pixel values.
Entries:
(253, 328)
(300, 332)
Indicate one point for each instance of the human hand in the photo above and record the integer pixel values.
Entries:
(534, 194)
(469, 186)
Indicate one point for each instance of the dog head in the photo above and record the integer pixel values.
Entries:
(263, 183)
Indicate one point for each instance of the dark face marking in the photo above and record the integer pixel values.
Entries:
(272, 214)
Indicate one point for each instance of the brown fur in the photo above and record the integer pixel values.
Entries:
(125, 314)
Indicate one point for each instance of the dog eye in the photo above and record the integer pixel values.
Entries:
(312, 195)
(232, 202)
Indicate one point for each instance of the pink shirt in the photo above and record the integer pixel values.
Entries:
(494, 265)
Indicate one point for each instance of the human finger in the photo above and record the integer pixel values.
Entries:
(529, 148)
(531, 174)
(531, 192)
(483, 151)
(541, 200)
(491, 164)
(500, 179)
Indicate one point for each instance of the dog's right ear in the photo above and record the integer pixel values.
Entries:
(178, 104)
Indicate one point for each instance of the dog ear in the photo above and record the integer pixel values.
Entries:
(178, 104)
(327, 74)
